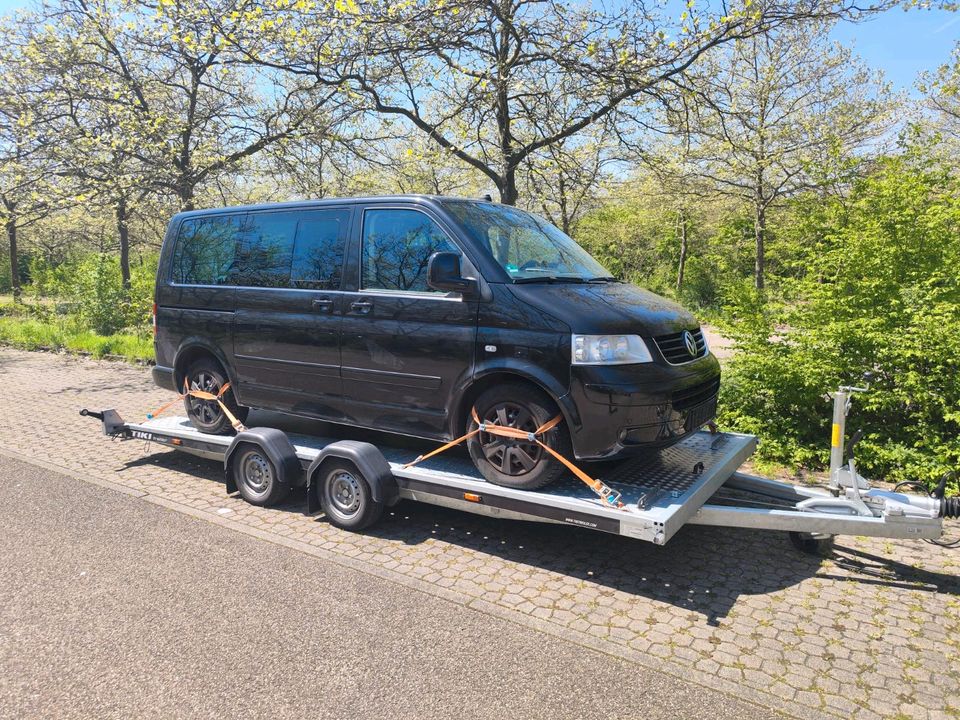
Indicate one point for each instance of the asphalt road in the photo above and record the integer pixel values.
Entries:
(114, 607)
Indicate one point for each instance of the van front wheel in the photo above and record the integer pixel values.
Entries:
(517, 463)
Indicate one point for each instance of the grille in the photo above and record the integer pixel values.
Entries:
(674, 350)
(692, 396)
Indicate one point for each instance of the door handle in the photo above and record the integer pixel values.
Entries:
(323, 304)
(361, 306)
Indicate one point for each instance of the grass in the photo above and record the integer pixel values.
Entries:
(63, 334)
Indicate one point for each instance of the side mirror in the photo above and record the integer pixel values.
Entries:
(443, 273)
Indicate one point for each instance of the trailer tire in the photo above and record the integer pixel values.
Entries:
(811, 544)
(345, 496)
(256, 477)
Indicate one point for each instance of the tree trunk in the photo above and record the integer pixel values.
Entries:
(123, 233)
(562, 201)
(186, 196)
(682, 265)
(759, 235)
(14, 264)
(508, 186)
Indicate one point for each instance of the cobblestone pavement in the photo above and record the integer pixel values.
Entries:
(872, 630)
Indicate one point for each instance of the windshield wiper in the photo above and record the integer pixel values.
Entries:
(550, 279)
(603, 279)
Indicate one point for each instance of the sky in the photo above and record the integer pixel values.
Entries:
(901, 43)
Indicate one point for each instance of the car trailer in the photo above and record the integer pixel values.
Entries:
(695, 481)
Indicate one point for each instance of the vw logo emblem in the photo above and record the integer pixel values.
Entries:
(690, 343)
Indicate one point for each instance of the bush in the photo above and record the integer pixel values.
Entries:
(90, 286)
(879, 290)
(65, 334)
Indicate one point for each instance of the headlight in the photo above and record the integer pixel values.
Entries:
(609, 350)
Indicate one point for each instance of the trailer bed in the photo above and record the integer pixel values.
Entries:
(661, 491)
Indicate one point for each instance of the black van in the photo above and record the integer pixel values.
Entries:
(403, 313)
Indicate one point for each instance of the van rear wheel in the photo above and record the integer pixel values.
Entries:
(207, 415)
(517, 463)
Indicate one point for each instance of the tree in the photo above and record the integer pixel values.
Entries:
(101, 137)
(778, 114)
(879, 291)
(28, 177)
(190, 109)
(563, 180)
(942, 89)
(494, 82)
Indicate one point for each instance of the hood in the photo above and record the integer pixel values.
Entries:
(600, 308)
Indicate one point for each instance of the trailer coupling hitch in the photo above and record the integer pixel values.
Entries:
(949, 506)
(112, 422)
(945, 507)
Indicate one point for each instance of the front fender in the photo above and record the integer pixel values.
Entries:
(558, 391)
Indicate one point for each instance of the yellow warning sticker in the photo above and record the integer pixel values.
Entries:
(836, 436)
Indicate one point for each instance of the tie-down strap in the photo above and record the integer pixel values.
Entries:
(204, 395)
(606, 494)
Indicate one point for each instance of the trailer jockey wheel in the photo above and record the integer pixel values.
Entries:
(256, 477)
(811, 544)
(345, 496)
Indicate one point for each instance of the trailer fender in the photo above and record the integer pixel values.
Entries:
(278, 449)
(369, 461)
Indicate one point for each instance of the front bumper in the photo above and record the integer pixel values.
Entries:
(627, 409)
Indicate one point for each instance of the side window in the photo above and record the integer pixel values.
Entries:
(318, 249)
(265, 249)
(397, 245)
(205, 250)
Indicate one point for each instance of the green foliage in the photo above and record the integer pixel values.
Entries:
(63, 334)
(80, 305)
(875, 287)
(90, 285)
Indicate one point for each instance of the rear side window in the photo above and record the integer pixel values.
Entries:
(265, 250)
(205, 250)
(397, 245)
(318, 249)
(302, 249)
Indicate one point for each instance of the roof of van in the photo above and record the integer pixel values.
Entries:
(295, 204)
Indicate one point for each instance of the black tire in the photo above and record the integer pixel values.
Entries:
(810, 544)
(345, 496)
(512, 463)
(255, 476)
(206, 415)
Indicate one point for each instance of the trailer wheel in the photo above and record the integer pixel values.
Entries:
(811, 544)
(256, 477)
(345, 496)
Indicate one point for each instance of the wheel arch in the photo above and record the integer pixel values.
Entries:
(273, 443)
(489, 377)
(191, 350)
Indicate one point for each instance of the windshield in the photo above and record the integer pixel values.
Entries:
(526, 246)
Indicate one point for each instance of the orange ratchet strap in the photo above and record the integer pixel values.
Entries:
(606, 494)
(204, 395)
